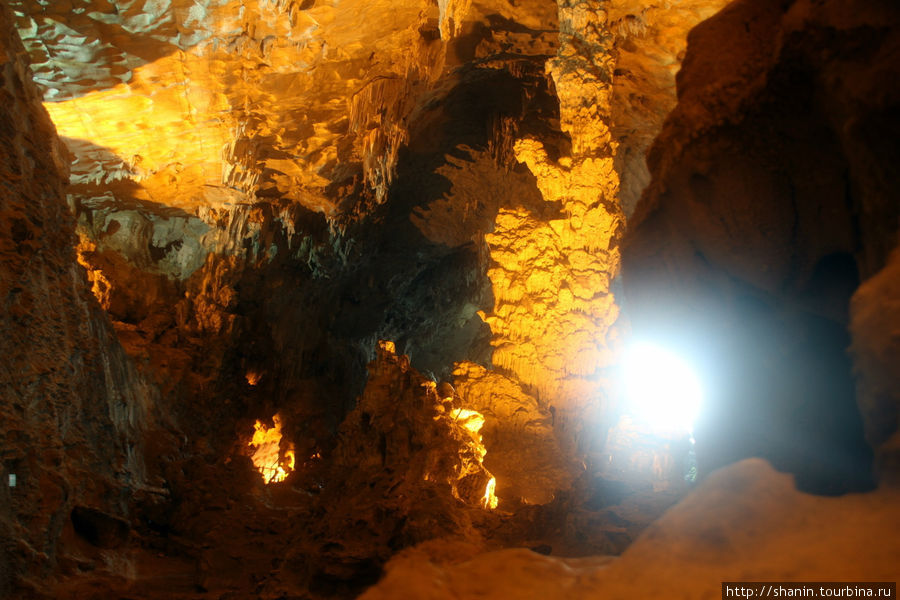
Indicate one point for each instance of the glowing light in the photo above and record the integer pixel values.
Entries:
(272, 464)
(472, 421)
(662, 389)
(490, 501)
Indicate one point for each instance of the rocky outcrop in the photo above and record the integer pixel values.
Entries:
(419, 434)
(553, 308)
(772, 195)
(73, 408)
(649, 43)
(525, 453)
(875, 310)
(746, 522)
(407, 467)
(409, 463)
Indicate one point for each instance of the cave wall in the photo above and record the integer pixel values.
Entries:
(239, 168)
(773, 196)
(281, 257)
(650, 39)
(260, 196)
(72, 406)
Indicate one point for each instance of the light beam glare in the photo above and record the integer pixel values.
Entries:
(661, 388)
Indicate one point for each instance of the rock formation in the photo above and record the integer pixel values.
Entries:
(772, 198)
(874, 309)
(336, 282)
(213, 150)
(73, 407)
(746, 522)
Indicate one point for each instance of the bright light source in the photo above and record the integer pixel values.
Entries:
(662, 389)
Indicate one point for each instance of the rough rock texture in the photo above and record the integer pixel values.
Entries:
(553, 308)
(554, 313)
(72, 407)
(419, 434)
(649, 43)
(263, 190)
(774, 192)
(406, 469)
(232, 73)
(525, 455)
(217, 148)
(256, 280)
(744, 523)
(875, 310)
(236, 164)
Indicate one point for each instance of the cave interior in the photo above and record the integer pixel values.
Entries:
(453, 299)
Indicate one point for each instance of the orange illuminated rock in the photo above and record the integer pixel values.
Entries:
(401, 425)
(183, 127)
(524, 453)
(553, 306)
(273, 458)
(254, 97)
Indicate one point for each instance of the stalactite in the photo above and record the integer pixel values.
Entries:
(452, 13)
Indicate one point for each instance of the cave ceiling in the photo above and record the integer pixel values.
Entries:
(187, 104)
(272, 186)
(369, 252)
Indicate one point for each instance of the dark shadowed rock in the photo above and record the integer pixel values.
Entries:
(774, 192)
(98, 528)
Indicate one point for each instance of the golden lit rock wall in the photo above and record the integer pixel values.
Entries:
(452, 13)
(523, 452)
(553, 307)
(614, 74)
(186, 104)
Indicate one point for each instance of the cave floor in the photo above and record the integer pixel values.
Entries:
(268, 543)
